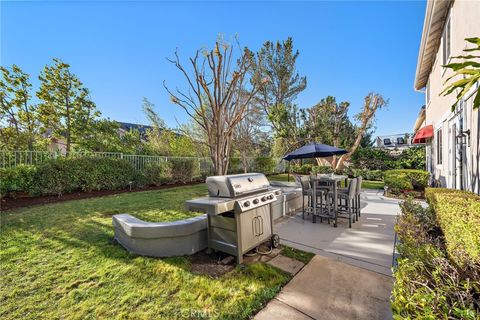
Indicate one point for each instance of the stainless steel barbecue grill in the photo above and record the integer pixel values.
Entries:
(238, 212)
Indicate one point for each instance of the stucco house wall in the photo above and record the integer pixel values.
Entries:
(459, 165)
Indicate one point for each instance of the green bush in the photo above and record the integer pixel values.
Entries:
(157, 174)
(382, 159)
(403, 180)
(235, 166)
(375, 175)
(302, 169)
(308, 168)
(185, 169)
(373, 159)
(458, 214)
(17, 179)
(322, 169)
(64, 175)
(411, 158)
(428, 285)
(264, 165)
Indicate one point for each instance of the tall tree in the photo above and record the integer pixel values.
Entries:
(276, 63)
(66, 107)
(328, 122)
(372, 103)
(18, 116)
(247, 134)
(218, 95)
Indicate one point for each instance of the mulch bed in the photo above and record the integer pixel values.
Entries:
(22, 201)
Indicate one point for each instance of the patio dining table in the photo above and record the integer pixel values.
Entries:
(333, 179)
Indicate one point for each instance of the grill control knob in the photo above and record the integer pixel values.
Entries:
(270, 197)
(255, 201)
(246, 203)
(264, 199)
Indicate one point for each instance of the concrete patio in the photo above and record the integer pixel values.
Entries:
(368, 244)
(350, 278)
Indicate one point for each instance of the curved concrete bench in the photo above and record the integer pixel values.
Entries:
(161, 239)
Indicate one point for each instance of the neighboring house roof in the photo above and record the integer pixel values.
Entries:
(420, 119)
(142, 128)
(435, 17)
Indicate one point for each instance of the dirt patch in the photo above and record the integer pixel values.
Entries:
(210, 264)
(22, 201)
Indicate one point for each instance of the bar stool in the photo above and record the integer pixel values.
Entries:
(357, 200)
(349, 196)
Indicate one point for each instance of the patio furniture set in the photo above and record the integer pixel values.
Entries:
(326, 200)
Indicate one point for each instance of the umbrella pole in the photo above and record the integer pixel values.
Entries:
(288, 174)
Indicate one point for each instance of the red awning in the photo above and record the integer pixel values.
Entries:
(423, 134)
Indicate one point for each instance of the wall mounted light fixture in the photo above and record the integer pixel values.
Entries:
(463, 138)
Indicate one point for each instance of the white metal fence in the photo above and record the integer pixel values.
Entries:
(10, 159)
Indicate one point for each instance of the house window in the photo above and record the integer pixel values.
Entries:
(446, 42)
(439, 146)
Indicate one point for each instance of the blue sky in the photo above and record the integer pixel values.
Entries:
(118, 49)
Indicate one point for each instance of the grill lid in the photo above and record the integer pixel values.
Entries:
(231, 186)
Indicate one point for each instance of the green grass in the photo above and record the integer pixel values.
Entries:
(370, 184)
(297, 254)
(60, 261)
(366, 184)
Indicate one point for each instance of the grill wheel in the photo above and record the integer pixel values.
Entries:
(275, 240)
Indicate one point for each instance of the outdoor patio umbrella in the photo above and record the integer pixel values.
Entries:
(313, 150)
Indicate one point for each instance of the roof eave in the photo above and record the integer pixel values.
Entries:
(435, 15)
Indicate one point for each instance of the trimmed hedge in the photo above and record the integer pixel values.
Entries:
(64, 175)
(403, 180)
(428, 284)
(157, 174)
(458, 214)
(17, 179)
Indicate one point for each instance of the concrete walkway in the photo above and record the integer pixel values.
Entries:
(350, 277)
(328, 289)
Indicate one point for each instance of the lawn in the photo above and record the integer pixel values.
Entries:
(366, 184)
(60, 261)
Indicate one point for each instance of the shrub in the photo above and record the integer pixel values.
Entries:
(458, 214)
(235, 166)
(322, 169)
(65, 175)
(427, 284)
(157, 173)
(376, 175)
(17, 179)
(308, 168)
(185, 169)
(373, 159)
(302, 169)
(264, 165)
(402, 180)
(411, 158)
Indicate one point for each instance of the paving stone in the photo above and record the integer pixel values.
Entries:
(286, 264)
